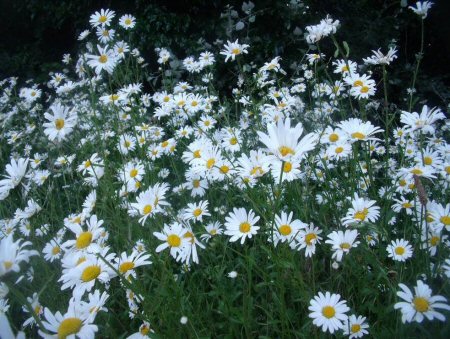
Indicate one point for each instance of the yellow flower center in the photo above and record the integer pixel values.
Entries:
(333, 137)
(236, 51)
(196, 183)
(428, 161)
(56, 250)
(197, 154)
(416, 171)
(447, 169)
(244, 227)
(69, 326)
(147, 209)
(358, 135)
(87, 164)
(399, 250)
(285, 230)
(197, 212)
(210, 163)
(339, 150)
(224, 169)
(144, 330)
(445, 220)
(233, 141)
(103, 59)
(357, 83)
(287, 167)
(7, 264)
(126, 266)
(257, 171)
(90, 273)
(364, 89)
(174, 240)
(133, 172)
(128, 22)
(309, 238)
(434, 241)
(83, 240)
(361, 215)
(355, 328)
(284, 150)
(59, 124)
(407, 205)
(102, 19)
(421, 304)
(344, 69)
(345, 245)
(328, 312)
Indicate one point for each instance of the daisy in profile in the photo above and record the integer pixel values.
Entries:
(423, 121)
(358, 130)
(421, 304)
(241, 225)
(74, 323)
(328, 311)
(36, 307)
(212, 229)
(399, 250)
(144, 331)
(232, 49)
(308, 237)
(342, 242)
(61, 123)
(13, 253)
(283, 141)
(379, 58)
(421, 8)
(127, 21)
(362, 210)
(355, 327)
(102, 18)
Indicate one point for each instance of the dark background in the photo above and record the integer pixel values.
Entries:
(34, 34)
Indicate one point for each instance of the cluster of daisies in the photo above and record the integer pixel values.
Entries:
(169, 152)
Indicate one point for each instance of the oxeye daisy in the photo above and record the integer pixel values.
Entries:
(13, 253)
(399, 250)
(74, 323)
(355, 327)
(286, 230)
(173, 237)
(358, 130)
(308, 237)
(127, 21)
(239, 224)
(127, 263)
(196, 211)
(86, 240)
(212, 229)
(362, 210)
(342, 242)
(328, 311)
(420, 304)
(36, 307)
(102, 18)
(441, 216)
(105, 60)
(232, 49)
(52, 250)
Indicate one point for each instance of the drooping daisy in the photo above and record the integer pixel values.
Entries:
(399, 250)
(328, 311)
(420, 304)
(421, 8)
(342, 242)
(423, 121)
(13, 253)
(358, 130)
(212, 229)
(241, 225)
